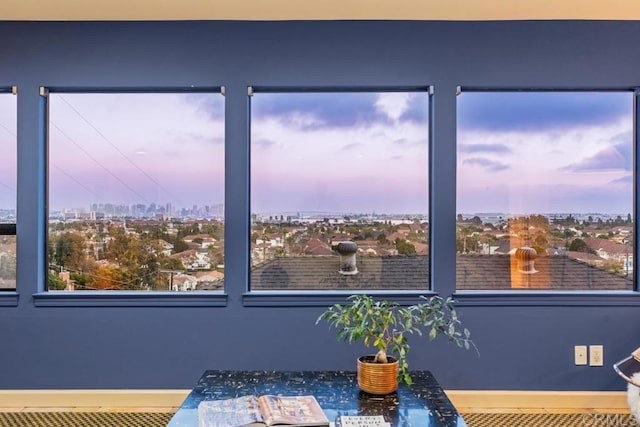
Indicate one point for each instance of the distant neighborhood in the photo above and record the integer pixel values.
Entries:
(173, 253)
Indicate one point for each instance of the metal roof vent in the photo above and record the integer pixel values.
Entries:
(526, 256)
(347, 251)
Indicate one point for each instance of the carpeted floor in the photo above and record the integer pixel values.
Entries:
(84, 419)
(549, 420)
(153, 419)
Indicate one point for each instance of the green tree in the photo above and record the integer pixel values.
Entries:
(55, 283)
(578, 245)
(405, 248)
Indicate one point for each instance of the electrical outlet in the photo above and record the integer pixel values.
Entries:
(596, 355)
(580, 354)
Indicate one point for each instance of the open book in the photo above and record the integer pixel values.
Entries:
(267, 410)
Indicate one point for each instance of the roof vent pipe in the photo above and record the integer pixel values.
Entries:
(526, 256)
(347, 251)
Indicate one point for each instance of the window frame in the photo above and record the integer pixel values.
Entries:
(45, 298)
(578, 298)
(322, 298)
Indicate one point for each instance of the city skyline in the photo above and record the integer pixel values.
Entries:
(517, 152)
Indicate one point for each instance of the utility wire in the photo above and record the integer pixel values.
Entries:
(98, 163)
(117, 149)
(9, 131)
(76, 181)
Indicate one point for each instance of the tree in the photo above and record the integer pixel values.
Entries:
(405, 248)
(55, 283)
(578, 245)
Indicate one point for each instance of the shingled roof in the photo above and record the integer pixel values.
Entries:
(407, 272)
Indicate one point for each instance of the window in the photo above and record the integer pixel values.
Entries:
(339, 190)
(545, 191)
(136, 191)
(8, 178)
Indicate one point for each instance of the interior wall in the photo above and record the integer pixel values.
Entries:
(524, 344)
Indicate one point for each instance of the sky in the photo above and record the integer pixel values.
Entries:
(339, 152)
(8, 149)
(136, 148)
(365, 152)
(525, 152)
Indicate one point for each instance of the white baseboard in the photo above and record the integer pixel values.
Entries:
(173, 398)
(538, 399)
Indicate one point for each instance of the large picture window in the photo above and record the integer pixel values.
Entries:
(8, 192)
(339, 190)
(545, 191)
(136, 191)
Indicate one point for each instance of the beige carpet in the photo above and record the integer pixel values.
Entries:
(84, 419)
(549, 420)
(153, 419)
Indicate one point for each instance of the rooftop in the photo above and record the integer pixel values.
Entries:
(407, 272)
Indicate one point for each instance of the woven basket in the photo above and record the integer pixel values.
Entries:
(377, 378)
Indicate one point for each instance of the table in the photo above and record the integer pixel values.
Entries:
(422, 404)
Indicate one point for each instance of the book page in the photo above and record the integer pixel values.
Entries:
(296, 410)
(240, 411)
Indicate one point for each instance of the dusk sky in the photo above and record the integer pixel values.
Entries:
(524, 152)
(339, 152)
(8, 149)
(519, 152)
(136, 148)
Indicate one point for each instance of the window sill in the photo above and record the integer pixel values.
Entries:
(9, 299)
(323, 298)
(129, 299)
(547, 299)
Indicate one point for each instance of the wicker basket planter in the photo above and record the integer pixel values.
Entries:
(377, 378)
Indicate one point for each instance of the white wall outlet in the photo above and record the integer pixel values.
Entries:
(580, 352)
(596, 355)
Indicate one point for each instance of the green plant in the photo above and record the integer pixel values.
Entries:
(386, 325)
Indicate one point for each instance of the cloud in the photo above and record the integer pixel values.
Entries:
(263, 143)
(538, 111)
(326, 110)
(489, 165)
(211, 104)
(417, 109)
(310, 110)
(625, 180)
(611, 158)
(484, 148)
(352, 146)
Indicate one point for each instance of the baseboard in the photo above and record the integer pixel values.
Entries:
(91, 398)
(174, 398)
(538, 399)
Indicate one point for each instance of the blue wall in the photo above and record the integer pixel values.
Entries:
(526, 341)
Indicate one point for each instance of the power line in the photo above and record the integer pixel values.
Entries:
(117, 149)
(98, 163)
(9, 131)
(77, 182)
(7, 186)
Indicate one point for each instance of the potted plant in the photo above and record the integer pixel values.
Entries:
(386, 326)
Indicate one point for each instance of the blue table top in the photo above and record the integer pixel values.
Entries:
(422, 404)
